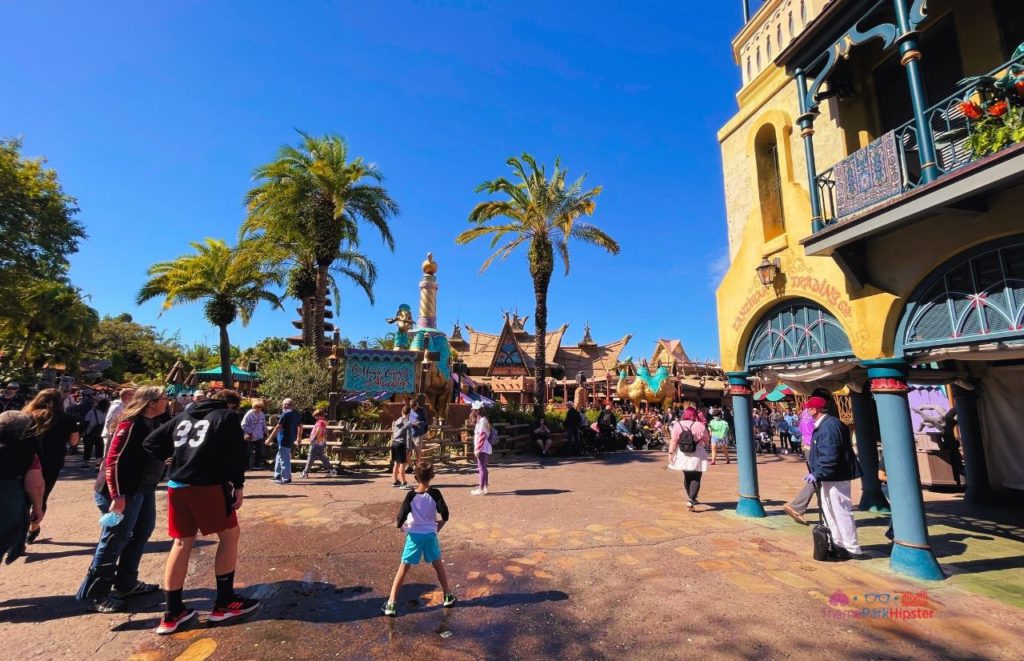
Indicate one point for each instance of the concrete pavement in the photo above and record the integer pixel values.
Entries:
(564, 559)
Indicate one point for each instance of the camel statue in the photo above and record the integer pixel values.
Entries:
(654, 389)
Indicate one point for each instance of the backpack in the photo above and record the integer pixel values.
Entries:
(687, 443)
(422, 423)
(492, 438)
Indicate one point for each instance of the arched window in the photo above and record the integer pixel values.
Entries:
(792, 26)
(768, 48)
(975, 297)
(749, 76)
(769, 182)
(803, 12)
(778, 35)
(759, 58)
(797, 331)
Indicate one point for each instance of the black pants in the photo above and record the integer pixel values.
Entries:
(691, 480)
(256, 454)
(51, 471)
(92, 446)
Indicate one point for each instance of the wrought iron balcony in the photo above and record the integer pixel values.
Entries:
(891, 165)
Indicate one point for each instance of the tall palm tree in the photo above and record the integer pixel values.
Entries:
(312, 200)
(49, 320)
(230, 281)
(543, 213)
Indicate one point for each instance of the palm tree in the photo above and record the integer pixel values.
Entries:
(50, 320)
(230, 281)
(310, 202)
(543, 213)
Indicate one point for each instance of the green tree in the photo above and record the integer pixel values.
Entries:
(543, 213)
(230, 281)
(308, 204)
(264, 352)
(37, 223)
(297, 374)
(137, 352)
(200, 356)
(47, 321)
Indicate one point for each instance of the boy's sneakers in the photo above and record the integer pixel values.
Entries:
(171, 623)
(396, 484)
(238, 607)
(389, 609)
(449, 600)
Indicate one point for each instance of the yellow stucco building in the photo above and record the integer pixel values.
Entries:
(874, 184)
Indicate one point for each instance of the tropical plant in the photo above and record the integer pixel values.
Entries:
(306, 208)
(48, 321)
(230, 282)
(265, 350)
(296, 374)
(543, 213)
(386, 343)
(136, 352)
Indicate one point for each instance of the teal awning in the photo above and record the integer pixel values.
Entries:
(237, 373)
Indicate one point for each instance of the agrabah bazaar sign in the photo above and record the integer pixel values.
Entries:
(372, 370)
(820, 288)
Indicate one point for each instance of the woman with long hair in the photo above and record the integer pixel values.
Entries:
(51, 430)
(126, 485)
(687, 452)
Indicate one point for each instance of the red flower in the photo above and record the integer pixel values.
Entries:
(1019, 85)
(998, 109)
(971, 110)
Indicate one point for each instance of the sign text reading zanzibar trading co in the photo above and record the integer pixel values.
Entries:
(819, 287)
(370, 370)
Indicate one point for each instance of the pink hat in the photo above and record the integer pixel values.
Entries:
(816, 403)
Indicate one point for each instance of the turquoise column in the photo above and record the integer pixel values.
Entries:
(746, 11)
(975, 469)
(749, 503)
(910, 58)
(806, 123)
(911, 553)
(865, 420)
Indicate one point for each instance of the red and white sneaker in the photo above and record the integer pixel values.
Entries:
(238, 607)
(171, 623)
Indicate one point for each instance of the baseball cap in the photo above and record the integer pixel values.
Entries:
(816, 403)
(477, 405)
(13, 385)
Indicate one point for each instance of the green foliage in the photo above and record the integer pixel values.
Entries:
(265, 351)
(230, 282)
(305, 211)
(511, 414)
(37, 222)
(296, 374)
(137, 352)
(47, 321)
(555, 420)
(200, 357)
(543, 213)
(591, 415)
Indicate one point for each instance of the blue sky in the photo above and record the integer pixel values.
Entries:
(155, 114)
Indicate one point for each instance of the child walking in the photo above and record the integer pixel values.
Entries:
(418, 517)
(318, 444)
(401, 433)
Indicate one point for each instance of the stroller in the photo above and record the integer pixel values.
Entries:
(764, 443)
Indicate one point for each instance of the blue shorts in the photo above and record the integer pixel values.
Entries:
(421, 544)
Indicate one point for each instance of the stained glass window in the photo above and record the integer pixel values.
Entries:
(797, 331)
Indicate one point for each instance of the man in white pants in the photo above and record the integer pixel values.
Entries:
(833, 465)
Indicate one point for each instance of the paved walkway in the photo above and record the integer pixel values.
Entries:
(564, 559)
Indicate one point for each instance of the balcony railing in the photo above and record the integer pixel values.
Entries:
(951, 132)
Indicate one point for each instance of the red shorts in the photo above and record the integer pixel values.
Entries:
(198, 508)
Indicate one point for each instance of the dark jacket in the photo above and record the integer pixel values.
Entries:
(832, 458)
(126, 467)
(573, 419)
(206, 443)
(606, 419)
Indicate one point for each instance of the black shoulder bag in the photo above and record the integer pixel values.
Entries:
(824, 548)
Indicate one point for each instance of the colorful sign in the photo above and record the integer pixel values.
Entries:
(868, 176)
(373, 370)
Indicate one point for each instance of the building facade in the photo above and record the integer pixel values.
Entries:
(874, 183)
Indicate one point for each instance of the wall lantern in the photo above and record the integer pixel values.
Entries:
(768, 271)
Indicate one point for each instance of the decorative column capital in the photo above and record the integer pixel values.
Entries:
(889, 385)
(739, 384)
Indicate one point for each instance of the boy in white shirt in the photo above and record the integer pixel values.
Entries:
(418, 518)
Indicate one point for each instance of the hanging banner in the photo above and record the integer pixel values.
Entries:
(374, 370)
(868, 176)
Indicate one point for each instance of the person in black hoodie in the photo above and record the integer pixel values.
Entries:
(208, 460)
